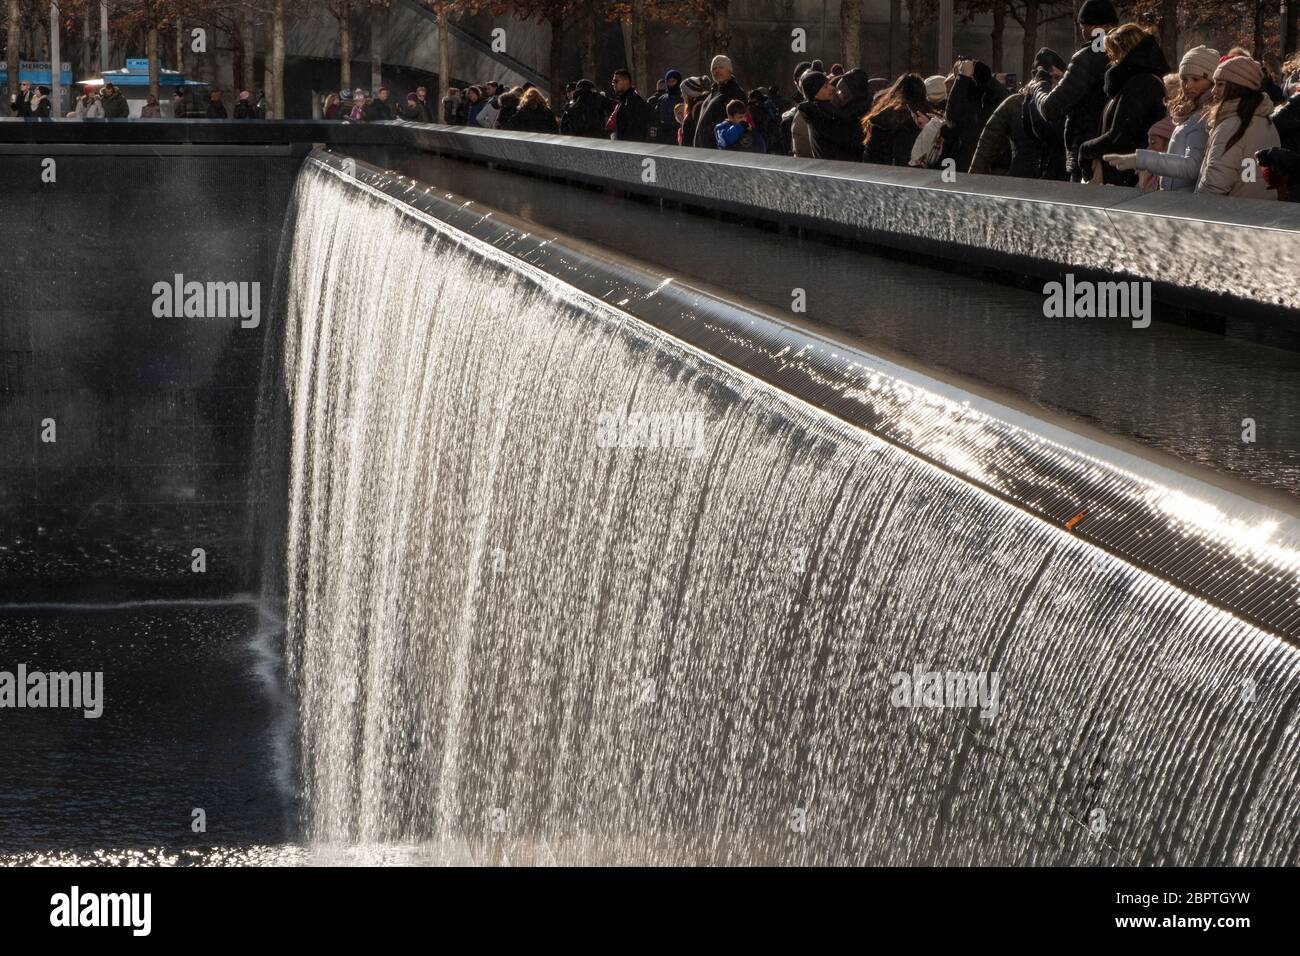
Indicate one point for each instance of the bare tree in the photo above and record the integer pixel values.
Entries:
(851, 33)
(378, 26)
(342, 10)
(13, 53)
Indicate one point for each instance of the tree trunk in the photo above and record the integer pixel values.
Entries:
(895, 39)
(1169, 29)
(591, 25)
(56, 65)
(376, 49)
(999, 25)
(13, 55)
(444, 60)
(151, 51)
(1292, 38)
(345, 44)
(1029, 45)
(104, 41)
(248, 31)
(639, 67)
(276, 93)
(87, 43)
(915, 23)
(719, 28)
(850, 33)
(1258, 49)
(557, 61)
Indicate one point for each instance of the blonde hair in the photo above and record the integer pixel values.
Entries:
(533, 99)
(1121, 41)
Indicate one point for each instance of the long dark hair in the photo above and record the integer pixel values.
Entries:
(906, 92)
(1247, 100)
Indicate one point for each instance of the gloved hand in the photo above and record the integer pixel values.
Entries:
(1125, 162)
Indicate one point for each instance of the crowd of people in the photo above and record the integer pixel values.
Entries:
(108, 102)
(1115, 113)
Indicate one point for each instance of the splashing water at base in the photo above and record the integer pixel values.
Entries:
(515, 640)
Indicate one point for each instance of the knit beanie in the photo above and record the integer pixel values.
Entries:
(1048, 58)
(811, 84)
(1241, 70)
(694, 86)
(803, 67)
(720, 61)
(936, 88)
(1097, 13)
(1199, 61)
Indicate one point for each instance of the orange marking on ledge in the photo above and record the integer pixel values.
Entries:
(1069, 525)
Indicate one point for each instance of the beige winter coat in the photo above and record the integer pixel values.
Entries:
(800, 136)
(1222, 172)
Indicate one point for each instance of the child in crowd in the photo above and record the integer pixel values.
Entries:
(737, 131)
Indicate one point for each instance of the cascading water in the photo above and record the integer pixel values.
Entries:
(510, 636)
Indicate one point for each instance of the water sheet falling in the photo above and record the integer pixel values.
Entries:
(561, 589)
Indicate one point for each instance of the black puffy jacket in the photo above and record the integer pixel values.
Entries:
(1006, 145)
(585, 114)
(834, 135)
(378, 111)
(532, 119)
(1075, 103)
(970, 106)
(1284, 161)
(633, 119)
(891, 137)
(853, 95)
(1136, 99)
(1286, 120)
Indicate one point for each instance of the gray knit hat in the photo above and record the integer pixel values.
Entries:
(1199, 61)
(694, 86)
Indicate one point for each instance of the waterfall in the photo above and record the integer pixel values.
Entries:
(560, 588)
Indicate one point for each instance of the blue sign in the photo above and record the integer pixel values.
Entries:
(37, 72)
(137, 66)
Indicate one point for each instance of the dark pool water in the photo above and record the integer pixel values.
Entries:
(193, 718)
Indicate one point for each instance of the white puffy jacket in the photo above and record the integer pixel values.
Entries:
(1222, 171)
